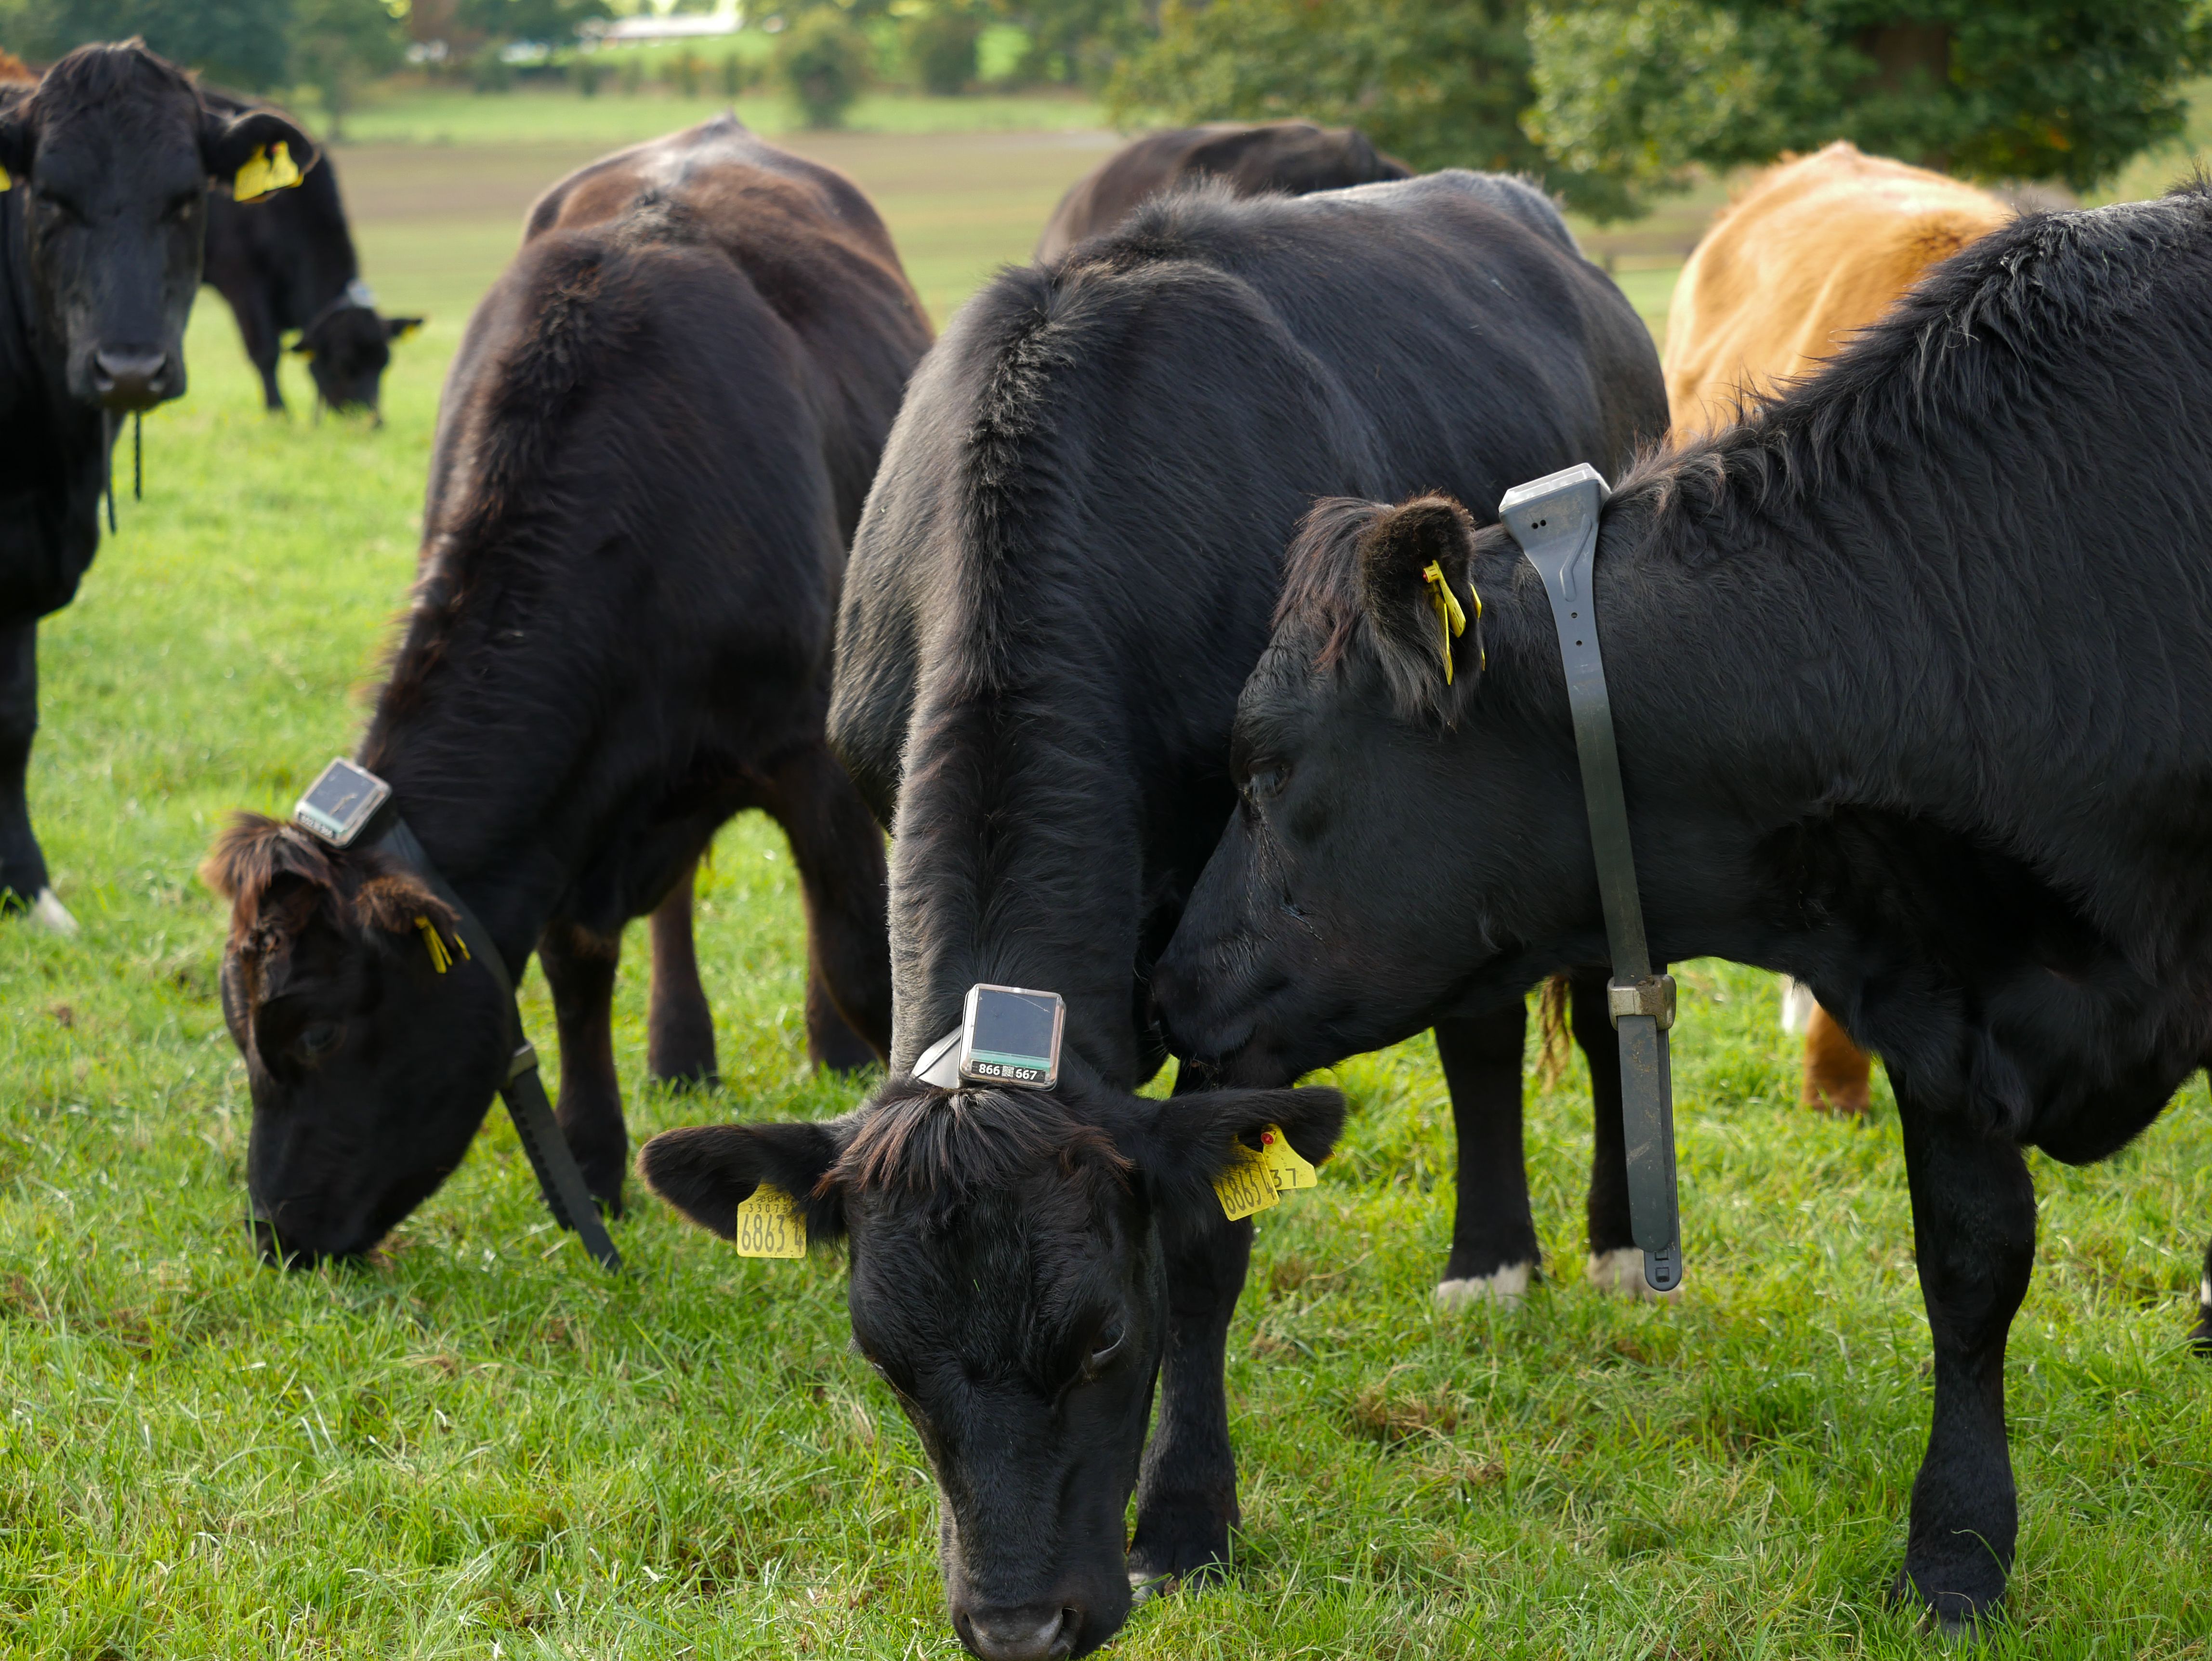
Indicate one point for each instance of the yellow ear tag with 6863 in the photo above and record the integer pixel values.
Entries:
(1257, 1178)
(770, 1224)
(269, 168)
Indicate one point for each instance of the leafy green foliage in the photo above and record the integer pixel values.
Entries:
(246, 44)
(1634, 93)
(940, 47)
(822, 60)
(1435, 82)
(339, 46)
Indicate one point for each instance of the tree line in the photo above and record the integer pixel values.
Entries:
(1609, 102)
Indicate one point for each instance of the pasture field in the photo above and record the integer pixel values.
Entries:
(477, 1445)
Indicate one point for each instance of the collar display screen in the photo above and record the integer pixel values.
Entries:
(1013, 1035)
(341, 801)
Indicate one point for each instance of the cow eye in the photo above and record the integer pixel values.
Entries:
(1266, 780)
(1107, 1347)
(182, 208)
(316, 1040)
(60, 206)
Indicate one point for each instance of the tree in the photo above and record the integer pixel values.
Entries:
(1435, 82)
(1632, 94)
(337, 46)
(822, 58)
(245, 44)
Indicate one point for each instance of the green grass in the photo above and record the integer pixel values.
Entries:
(478, 1446)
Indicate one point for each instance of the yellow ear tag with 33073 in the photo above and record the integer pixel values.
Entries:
(770, 1224)
(269, 168)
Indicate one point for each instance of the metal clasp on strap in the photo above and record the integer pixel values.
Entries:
(1653, 995)
(526, 1058)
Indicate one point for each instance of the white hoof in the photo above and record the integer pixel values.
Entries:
(1798, 1004)
(1621, 1270)
(49, 912)
(1505, 1287)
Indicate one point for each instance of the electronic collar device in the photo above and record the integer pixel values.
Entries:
(1555, 520)
(1008, 1035)
(350, 806)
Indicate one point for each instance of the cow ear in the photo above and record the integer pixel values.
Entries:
(399, 328)
(1423, 614)
(709, 1171)
(1192, 1139)
(255, 153)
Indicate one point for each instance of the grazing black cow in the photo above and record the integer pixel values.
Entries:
(287, 263)
(106, 162)
(1066, 569)
(1910, 673)
(654, 444)
(1286, 158)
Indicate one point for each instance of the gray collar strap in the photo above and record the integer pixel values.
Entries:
(523, 1091)
(1555, 520)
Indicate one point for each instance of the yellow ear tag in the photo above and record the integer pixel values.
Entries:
(1285, 1164)
(267, 169)
(1451, 617)
(1246, 1184)
(440, 959)
(771, 1225)
(6, 183)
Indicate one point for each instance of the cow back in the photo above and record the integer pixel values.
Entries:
(1813, 252)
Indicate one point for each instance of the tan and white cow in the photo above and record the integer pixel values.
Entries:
(1814, 251)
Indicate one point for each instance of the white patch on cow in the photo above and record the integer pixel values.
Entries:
(1798, 1004)
(1621, 1271)
(1505, 1287)
(49, 912)
(2204, 1293)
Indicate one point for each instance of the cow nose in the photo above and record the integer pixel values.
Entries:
(131, 381)
(1022, 1634)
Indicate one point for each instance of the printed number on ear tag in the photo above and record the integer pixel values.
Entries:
(1246, 1184)
(1285, 1163)
(771, 1225)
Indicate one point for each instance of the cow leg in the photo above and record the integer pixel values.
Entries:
(1838, 1075)
(23, 884)
(2201, 1334)
(265, 345)
(1186, 1485)
(1616, 1264)
(579, 969)
(679, 1048)
(840, 855)
(1493, 1251)
(1973, 1231)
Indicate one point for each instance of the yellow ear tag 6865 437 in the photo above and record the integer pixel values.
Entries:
(269, 168)
(1255, 1178)
(771, 1225)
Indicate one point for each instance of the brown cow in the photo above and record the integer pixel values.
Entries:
(1816, 250)
(1285, 158)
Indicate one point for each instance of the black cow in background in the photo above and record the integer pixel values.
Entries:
(1286, 158)
(1910, 673)
(287, 263)
(654, 443)
(108, 162)
(1064, 574)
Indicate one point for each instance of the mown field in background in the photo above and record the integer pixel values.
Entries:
(476, 1446)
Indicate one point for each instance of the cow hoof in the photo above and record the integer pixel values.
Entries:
(48, 912)
(1507, 1287)
(1952, 1618)
(1621, 1271)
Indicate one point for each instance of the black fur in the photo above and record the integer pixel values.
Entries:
(1289, 158)
(1065, 569)
(1910, 673)
(651, 453)
(109, 157)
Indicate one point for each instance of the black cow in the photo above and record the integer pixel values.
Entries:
(106, 162)
(286, 261)
(1065, 571)
(1910, 673)
(1287, 158)
(654, 443)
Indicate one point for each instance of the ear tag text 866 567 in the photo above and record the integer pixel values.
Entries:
(1257, 1178)
(770, 1224)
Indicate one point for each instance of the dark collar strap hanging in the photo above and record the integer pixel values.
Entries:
(1555, 519)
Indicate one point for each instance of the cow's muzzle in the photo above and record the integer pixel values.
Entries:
(131, 381)
(1030, 1633)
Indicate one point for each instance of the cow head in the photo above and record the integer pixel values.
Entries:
(370, 1069)
(348, 347)
(110, 156)
(1353, 893)
(1007, 1285)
